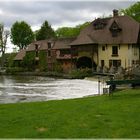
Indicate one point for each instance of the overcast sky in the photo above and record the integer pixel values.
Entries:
(57, 13)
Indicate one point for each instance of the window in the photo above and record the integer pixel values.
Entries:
(74, 51)
(49, 45)
(36, 50)
(110, 63)
(65, 52)
(36, 46)
(102, 63)
(114, 50)
(133, 62)
(99, 24)
(137, 61)
(115, 29)
(49, 53)
(115, 63)
(103, 48)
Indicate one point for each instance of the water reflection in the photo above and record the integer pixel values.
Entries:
(34, 88)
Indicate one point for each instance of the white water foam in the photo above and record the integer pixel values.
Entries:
(48, 90)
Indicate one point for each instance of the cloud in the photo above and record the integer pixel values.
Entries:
(58, 13)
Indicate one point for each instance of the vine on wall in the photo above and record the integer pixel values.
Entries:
(43, 60)
(29, 61)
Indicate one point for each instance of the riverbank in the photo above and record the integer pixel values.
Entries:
(36, 73)
(103, 116)
(74, 74)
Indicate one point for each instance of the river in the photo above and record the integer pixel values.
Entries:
(15, 89)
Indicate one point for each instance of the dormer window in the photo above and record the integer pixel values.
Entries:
(36, 46)
(99, 24)
(49, 45)
(115, 29)
(36, 50)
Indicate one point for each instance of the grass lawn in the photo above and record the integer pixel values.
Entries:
(117, 116)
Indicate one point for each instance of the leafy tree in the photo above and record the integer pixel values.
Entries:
(66, 32)
(133, 11)
(82, 26)
(9, 57)
(70, 31)
(3, 40)
(21, 34)
(46, 32)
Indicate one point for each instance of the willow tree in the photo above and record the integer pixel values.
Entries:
(3, 41)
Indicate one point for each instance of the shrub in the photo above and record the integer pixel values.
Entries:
(29, 61)
(13, 70)
(58, 67)
(43, 61)
(81, 73)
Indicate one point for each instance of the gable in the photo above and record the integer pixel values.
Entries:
(115, 29)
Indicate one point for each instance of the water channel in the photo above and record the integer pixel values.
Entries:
(35, 88)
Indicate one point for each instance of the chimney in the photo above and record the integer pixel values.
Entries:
(115, 13)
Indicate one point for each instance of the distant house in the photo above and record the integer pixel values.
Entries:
(104, 44)
(62, 51)
(108, 42)
(48, 54)
(37, 52)
(19, 57)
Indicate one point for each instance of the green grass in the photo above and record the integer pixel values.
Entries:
(117, 116)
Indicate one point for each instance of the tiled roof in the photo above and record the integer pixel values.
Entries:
(20, 55)
(127, 35)
(42, 44)
(62, 43)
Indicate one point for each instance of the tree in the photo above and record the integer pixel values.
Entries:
(70, 31)
(3, 40)
(66, 32)
(133, 11)
(45, 32)
(21, 34)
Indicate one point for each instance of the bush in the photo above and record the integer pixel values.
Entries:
(29, 61)
(57, 67)
(13, 70)
(81, 73)
(9, 59)
(43, 61)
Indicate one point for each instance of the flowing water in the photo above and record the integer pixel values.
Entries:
(34, 88)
